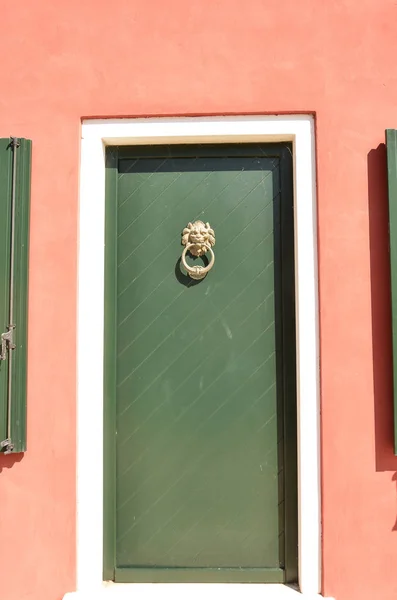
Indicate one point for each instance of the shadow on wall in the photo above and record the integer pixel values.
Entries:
(9, 460)
(381, 313)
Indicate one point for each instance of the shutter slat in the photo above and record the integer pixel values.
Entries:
(5, 220)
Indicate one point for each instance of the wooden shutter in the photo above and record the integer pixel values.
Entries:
(391, 145)
(15, 162)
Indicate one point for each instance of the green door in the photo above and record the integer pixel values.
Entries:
(200, 409)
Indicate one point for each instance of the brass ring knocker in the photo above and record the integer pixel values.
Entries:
(198, 239)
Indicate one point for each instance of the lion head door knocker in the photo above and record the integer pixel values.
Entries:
(198, 239)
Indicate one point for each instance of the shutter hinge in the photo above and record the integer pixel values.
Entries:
(15, 143)
(7, 342)
(6, 446)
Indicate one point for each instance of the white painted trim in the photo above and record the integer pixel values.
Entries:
(189, 591)
(96, 134)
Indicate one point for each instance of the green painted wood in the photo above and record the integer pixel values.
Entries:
(21, 253)
(201, 453)
(110, 349)
(285, 317)
(181, 575)
(391, 144)
(21, 265)
(5, 219)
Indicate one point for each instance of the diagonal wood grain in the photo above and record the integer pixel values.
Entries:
(198, 461)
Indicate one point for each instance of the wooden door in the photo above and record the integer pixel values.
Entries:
(200, 442)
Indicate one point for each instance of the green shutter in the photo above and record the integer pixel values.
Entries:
(391, 144)
(15, 161)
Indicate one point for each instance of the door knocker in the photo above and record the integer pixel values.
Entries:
(198, 239)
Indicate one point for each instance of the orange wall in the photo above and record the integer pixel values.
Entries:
(69, 59)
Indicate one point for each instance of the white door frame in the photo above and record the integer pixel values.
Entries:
(96, 135)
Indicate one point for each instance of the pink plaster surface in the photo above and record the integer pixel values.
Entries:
(70, 59)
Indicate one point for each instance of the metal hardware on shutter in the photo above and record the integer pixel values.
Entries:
(7, 342)
(7, 338)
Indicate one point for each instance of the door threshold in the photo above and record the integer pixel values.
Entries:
(193, 591)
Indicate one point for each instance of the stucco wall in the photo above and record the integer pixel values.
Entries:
(70, 59)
